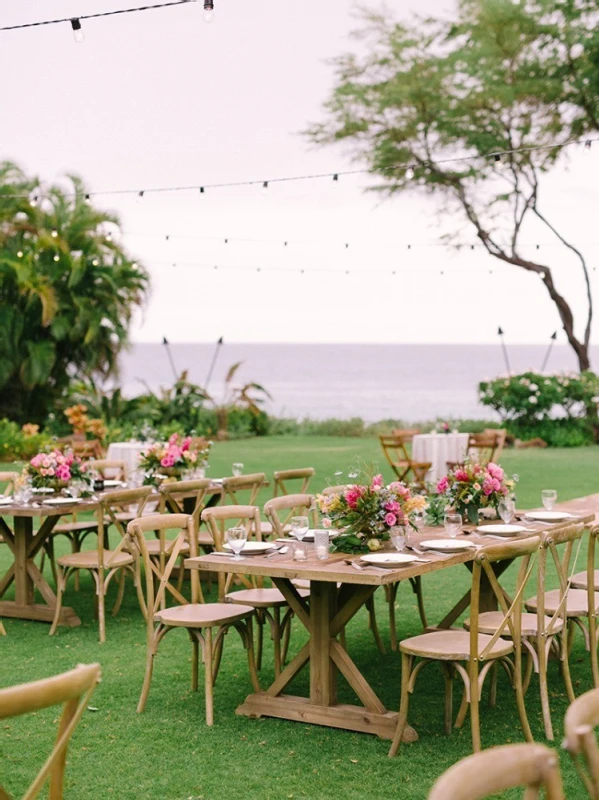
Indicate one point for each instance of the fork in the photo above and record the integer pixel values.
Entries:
(278, 552)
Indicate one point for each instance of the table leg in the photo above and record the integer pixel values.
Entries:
(328, 614)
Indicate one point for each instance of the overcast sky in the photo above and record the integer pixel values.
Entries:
(161, 99)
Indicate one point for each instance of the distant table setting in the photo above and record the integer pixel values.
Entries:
(128, 452)
(438, 449)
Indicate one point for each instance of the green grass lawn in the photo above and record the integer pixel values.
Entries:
(168, 753)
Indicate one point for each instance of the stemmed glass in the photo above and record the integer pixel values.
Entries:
(299, 528)
(453, 524)
(506, 509)
(237, 469)
(548, 496)
(237, 537)
(397, 534)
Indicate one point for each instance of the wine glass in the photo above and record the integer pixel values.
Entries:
(419, 518)
(237, 469)
(453, 524)
(506, 509)
(76, 488)
(548, 496)
(397, 534)
(237, 537)
(299, 528)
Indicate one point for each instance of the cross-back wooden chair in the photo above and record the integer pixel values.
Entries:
(268, 602)
(236, 485)
(580, 741)
(451, 648)
(403, 465)
(482, 447)
(529, 766)
(335, 489)
(282, 478)
(8, 479)
(500, 438)
(541, 633)
(72, 689)
(206, 623)
(86, 449)
(581, 606)
(104, 564)
(109, 469)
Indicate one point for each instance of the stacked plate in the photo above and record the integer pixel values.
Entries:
(549, 516)
(389, 560)
(251, 548)
(502, 530)
(446, 545)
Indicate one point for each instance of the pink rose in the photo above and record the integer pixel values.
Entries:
(390, 520)
(461, 475)
(393, 507)
(489, 487)
(36, 461)
(185, 443)
(167, 461)
(442, 485)
(377, 481)
(63, 473)
(495, 471)
(174, 438)
(326, 522)
(352, 496)
(43, 472)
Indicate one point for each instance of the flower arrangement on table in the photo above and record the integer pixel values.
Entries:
(173, 458)
(366, 512)
(471, 486)
(442, 427)
(55, 470)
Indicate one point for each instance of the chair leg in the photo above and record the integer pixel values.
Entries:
(101, 590)
(286, 636)
(120, 594)
(373, 624)
(60, 587)
(474, 711)
(145, 689)
(208, 676)
(76, 548)
(520, 696)
(448, 706)
(565, 667)
(275, 632)
(392, 625)
(402, 719)
(544, 689)
(493, 687)
(463, 710)
(260, 637)
(593, 650)
(528, 670)
(195, 659)
(417, 588)
(2, 629)
(181, 574)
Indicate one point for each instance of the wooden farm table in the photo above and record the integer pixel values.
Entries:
(25, 544)
(330, 609)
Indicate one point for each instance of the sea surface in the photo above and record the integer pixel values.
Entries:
(372, 381)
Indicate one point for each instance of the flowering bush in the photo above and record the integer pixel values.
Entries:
(79, 420)
(171, 457)
(472, 486)
(366, 512)
(52, 469)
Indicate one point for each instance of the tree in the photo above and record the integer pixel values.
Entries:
(67, 292)
(479, 108)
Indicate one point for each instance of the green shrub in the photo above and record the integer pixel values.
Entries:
(15, 445)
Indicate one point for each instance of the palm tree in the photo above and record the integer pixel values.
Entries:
(67, 292)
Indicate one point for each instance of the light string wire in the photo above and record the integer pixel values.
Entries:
(95, 16)
(496, 155)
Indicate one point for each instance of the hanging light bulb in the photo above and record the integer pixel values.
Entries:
(19, 254)
(33, 201)
(95, 262)
(140, 196)
(265, 187)
(109, 236)
(78, 34)
(56, 257)
(335, 180)
(409, 173)
(202, 191)
(134, 265)
(208, 10)
(498, 161)
(587, 146)
(54, 234)
(88, 200)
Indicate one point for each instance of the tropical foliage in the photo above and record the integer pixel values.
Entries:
(67, 292)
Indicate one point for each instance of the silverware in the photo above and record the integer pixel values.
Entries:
(278, 552)
(361, 568)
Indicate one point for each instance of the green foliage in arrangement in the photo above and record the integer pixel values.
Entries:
(561, 409)
(67, 292)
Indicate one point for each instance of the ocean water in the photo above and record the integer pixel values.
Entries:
(372, 381)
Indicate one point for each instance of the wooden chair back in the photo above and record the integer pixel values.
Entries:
(159, 566)
(407, 434)
(236, 485)
(108, 468)
(501, 435)
(173, 496)
(335, 489)
(483, 446)
(280, 510)
(9, 479)
(111, 503)
(283, 477)
(86, 449)
(396, 451)
(72, 689)
(582, 717)
(216, 519)
(531, 766)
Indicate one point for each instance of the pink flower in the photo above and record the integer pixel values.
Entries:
(390, 520)
(461, 475)
(393, 507)
(43, 471)
(377, 481)
(442, 485)
(63, 473)
(491, 485)
(352, 496)
(50, 471)
(36, 461)
(174, 438)
(495, 471)
(326, 522)
(167, 461)
(185, 443)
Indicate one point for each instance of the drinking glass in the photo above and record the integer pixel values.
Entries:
(506, 509)
(135, 479)
(321, 544)
(419, 518)
(76, 488)
(237, 537)
(299, 528)
(548, 496)
(23, 493)
(397, 534)
(237, 469)
(453, 524)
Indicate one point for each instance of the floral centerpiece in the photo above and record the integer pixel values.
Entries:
(472, 486)
(55, 469)
(366, 512)
(442, 427)
(173, 458)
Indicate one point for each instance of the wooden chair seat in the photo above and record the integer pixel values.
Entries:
(452, 646)
(489, 621)
(75, 527)
(576, 602)
(89, 559)
(154, 548)
(580, 580)
(261, 598)
(205, 539)
(301, 583)
(203, 615)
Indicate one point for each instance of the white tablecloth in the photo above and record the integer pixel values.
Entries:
(129, 452)
(439, 448)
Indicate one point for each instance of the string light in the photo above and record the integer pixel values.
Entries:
(201, 191)
(87, 200)
(33, 201)
(56, 257)
(265, 187)
(336, 179)
(208, 11)
(498, 161)
(409, 173)
(109, 236)
(587, 145)
(78, 34)
(54, 234)
(19, 254)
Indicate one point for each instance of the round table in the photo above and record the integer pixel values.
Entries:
(439, 448)
(128, 452)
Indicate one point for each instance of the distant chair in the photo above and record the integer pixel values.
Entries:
(531, 766)
(8, 478)
(483, 447)
(282, 478)
(109, 469)
(396, 452)
(86, 449)
(580, 741)
(73, 689)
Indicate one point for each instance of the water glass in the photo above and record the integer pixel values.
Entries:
(76, 488)
(397, 534)
(299, 528)
(237, 537)
(23, 493)
(548, 496)
(321, 544)
(506, 509)
(453, 524)
(419, 518)
(237, 469)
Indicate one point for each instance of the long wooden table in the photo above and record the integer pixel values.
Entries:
(330, 609)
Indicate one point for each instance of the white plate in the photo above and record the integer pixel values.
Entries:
(446, 545)
(6, 501)
(43, 491)
(502, 530)
(388, 559)
(251, 548)
(62, 501)
(548, 516)
(112, 483)
(309, 537)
